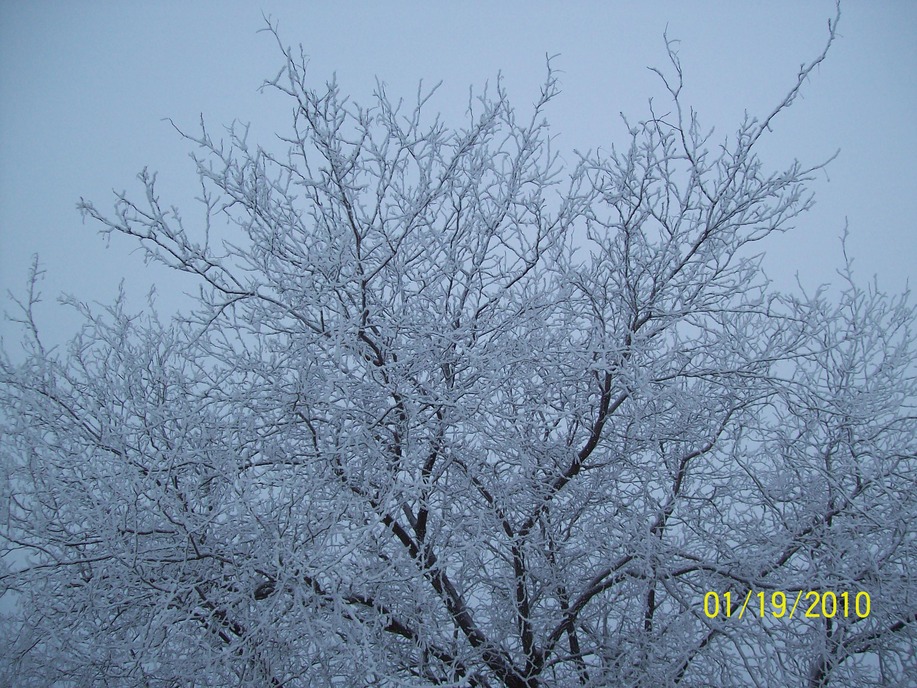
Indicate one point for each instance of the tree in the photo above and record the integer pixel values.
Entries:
(449, 413)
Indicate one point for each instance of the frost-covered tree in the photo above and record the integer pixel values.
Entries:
(447, 412)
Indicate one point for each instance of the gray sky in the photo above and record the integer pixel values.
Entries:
(84, 88)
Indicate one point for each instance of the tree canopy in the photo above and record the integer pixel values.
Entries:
(451, 411)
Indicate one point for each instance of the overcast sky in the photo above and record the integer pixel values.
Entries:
(85, 88)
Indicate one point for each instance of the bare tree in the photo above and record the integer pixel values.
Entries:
(448, 412)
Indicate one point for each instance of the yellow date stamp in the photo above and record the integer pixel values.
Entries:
(811, 604)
